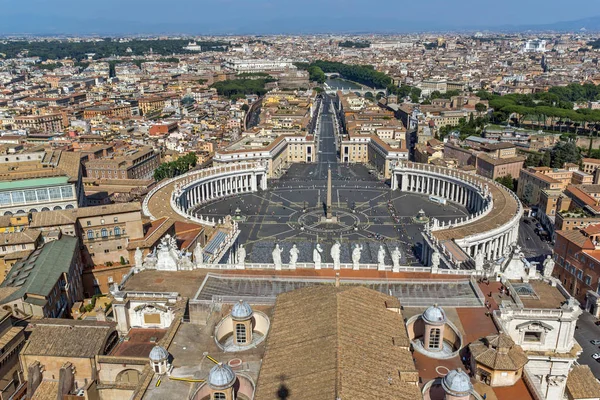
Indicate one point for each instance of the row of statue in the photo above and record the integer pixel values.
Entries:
(335, 253)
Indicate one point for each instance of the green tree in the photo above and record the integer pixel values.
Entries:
(507, 181)
(316, 74)
(480, 108)
(245, 107)
(546, 159)
(564, 152)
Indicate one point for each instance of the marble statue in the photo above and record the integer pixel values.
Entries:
(241, 257)
(335, 255)
(150, 260)
(435, 260)
(294, 256)
(356, 256)
(317, 256)
(479, 259)
(507, 251)
(167, 254)
(381, 258)
(198, 255)
(185, 263)
(277, 256)
(548, 266)
(138, 256)
(396, 260)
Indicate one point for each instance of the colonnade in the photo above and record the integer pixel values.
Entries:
(212, 188)
(458, 192)
(470, 192)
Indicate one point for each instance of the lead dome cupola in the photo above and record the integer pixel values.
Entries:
(435, 315)
(158, 354)
(221, 376)
(457, 383)
(241, 311)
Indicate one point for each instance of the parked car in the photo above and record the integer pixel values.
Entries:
(597, 322)
(595, 356)
(595, 342)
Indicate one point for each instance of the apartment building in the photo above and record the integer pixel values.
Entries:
(41, 123)
(577, 257)
(109, 111)
(137, 163)
(498, 160)
(533, 180)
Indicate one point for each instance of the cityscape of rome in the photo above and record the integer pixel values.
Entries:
(238, 201)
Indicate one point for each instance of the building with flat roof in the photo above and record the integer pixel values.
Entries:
(30, 185)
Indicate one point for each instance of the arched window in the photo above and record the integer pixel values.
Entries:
(219, 396)
(434, 338)
(90, 234)
(240, 333)
(104, 233)
(117, 231)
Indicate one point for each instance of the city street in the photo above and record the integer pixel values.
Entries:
(588, 331)
(534, 248)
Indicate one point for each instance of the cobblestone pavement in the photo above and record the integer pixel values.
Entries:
(273, 216)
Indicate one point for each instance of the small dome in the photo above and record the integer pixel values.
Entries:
(158, 354)
(221, 376)
(457, 383)
(241, 311)
(435, 315)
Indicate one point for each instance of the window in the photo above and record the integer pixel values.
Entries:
(531, 336)
(117, 231)
(42, 194)
(219, 396)
(89, 223)
(106, 250)
(116, 220)
(67, 191)
(30, 196)
(102, 221)
(5, 198)
(434, 338)
(579, 274)
(54, 193)
(18, 197)
(240, 333)
(104, 233)
(90, 234)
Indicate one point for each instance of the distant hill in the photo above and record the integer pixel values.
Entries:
(590, 24)
(105, 25)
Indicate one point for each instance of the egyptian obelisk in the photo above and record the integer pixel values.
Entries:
(328, 215)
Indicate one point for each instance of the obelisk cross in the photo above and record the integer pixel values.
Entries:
(328, 204)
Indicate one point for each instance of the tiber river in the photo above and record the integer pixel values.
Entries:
(340, 84)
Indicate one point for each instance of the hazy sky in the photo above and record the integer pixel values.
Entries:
(269, 16)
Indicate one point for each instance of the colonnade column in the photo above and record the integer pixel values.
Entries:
(404, 182)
